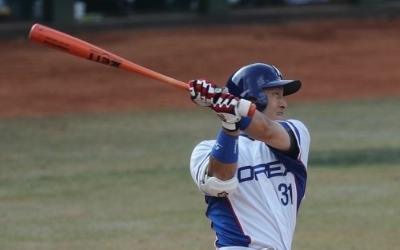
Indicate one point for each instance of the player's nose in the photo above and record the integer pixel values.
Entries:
(283, 103)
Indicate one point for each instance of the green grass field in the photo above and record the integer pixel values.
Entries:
(121, 181)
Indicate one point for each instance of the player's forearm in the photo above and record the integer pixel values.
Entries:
(221, 170)
(269, 131)
(224, 155)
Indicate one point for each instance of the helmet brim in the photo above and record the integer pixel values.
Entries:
(289, 86)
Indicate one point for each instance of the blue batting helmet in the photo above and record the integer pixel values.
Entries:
(249, 81)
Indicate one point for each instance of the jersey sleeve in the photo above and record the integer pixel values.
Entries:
(302, 136)
(199, 160)
(303, 139)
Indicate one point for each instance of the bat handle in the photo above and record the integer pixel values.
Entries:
(250, 113)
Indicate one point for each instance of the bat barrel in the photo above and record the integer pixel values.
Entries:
(72, 45)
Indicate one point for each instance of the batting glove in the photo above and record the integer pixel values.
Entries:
(230, 109)
(202, 92)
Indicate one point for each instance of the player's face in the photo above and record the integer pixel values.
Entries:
(276, 103)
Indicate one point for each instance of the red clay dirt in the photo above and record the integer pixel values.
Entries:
(334, 59)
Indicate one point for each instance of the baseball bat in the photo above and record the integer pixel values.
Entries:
(77, 47)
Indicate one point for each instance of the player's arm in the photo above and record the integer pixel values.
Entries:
(273, 133)
(265, 126)
(223, 160)
(224, 154)
(269, 131)
(199, 169)
(218, 178)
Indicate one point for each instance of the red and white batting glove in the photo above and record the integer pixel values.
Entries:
(202, 92)
(230, 109)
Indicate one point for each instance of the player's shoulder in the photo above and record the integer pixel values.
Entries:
(298, 126)
(204, 145)
(295, 122)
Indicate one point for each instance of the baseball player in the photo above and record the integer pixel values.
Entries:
(254, 173)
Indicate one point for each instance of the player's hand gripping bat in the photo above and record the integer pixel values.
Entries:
(77, 47)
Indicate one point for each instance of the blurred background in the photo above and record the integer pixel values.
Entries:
(68, 11)
(95, 158)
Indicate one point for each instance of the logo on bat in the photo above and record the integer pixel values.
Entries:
(104, 59)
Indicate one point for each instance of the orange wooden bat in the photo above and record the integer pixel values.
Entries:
(77, 47)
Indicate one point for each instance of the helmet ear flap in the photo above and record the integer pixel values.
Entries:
(259, 98)
(244, 83)
(262, 101)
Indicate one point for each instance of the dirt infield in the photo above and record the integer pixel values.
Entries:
(334, 59)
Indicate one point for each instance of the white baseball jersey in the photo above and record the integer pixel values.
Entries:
(262, 211)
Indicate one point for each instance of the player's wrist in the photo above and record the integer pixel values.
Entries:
(226, 148)
(244, 123)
